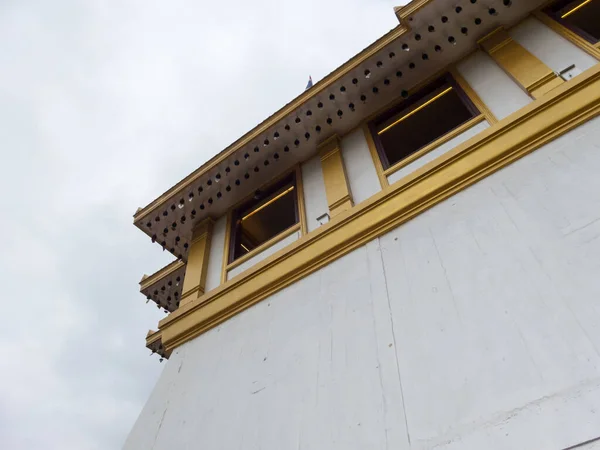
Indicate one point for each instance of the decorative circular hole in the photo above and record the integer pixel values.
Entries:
(375, 89)
(417, 37)
(399, 74)
(319, 105)
(477, 21)
(492, 11)
(343, 89)
(391, 55)
(464, 30)
(452, 40)
(458, 9)
(379, 64)
(411, 65)
(236, 163)
(286, 149)
(363, 98)
(431, 28)
(331, 97)
(329, 121)
(386, 82)
(444, 19)
(424, 56)
(437, 48)
(405, 47)
(298, 120)
(354, 80)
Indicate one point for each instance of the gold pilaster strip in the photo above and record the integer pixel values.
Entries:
(197, 265)
(337, 190)
(535, 77)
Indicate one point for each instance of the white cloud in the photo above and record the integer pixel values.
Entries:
(103, 106)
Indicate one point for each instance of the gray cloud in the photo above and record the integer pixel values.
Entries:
(103, 106)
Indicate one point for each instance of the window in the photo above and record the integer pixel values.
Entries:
(580, 16)
(268, 214)
(420, 120)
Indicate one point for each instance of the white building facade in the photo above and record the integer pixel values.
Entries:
(444, 296)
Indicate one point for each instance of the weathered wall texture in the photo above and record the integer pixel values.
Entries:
(474, 326)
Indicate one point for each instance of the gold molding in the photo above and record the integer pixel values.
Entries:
(535, 77)
(569, 35)
(160, 274)
(433, 145)
(196, 269)
(337, 190)
(410, 9)
(566, 107)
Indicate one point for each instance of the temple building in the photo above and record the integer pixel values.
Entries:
(405, 256)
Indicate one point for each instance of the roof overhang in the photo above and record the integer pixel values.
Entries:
(334, 105)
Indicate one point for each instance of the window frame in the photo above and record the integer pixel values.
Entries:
(249, 204)
(418, 98)
(548, 10)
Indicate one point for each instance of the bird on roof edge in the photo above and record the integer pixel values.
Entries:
(309, 84)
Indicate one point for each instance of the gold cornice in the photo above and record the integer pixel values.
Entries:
(404, 12)
(541, 121)
(320, 86)
(157, 276)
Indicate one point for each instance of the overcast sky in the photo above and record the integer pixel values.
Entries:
(103, 106)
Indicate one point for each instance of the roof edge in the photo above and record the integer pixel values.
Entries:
(320, 86)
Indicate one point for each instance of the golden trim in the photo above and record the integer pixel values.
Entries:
(337, 190)
(383, 181)
(472, 95)
(410, 9)
(536, 124)
(433, 145)
(265, 245)
(535, 77)
(160, 274)
(581, 5)
(417, 109)
(264, 205)
(569, 35)
(196, 269)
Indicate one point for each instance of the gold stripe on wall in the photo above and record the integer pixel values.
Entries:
(337, 190)
(196, 269)
(535, 77)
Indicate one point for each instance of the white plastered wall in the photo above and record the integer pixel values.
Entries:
(495, 88)
(475, 325)
(315, 199)
(215, 257)
(360, 169)
(551, 48)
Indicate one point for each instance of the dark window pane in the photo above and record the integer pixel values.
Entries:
(262, 219)
(580, 16)
(416, 126)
